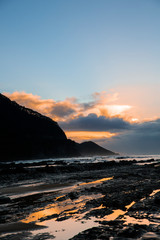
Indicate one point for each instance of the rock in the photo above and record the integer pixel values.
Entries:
(73, 195)
(4, 199)
(157, 200)
(92, 149)
(26, 134)
(134, 231)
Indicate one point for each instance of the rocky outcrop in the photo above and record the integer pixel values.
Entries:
(26, 134)
(92, 149)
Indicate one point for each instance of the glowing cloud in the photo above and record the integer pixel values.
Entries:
(119, 120)
(70, 108)
(88, 135)
(56, 110)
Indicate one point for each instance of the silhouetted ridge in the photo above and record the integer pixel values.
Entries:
(26, 134)
(16, 119)
(92, 149)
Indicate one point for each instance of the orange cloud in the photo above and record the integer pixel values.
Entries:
(88, 135)
(70, 108)
(114, 110)
(134, 109)
(132, 103)
(103, 97)
(59, 111)
(123, 106)
(31, 101)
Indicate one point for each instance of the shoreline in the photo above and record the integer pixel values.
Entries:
(97, 194)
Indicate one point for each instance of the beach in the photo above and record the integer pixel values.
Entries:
(80, 199)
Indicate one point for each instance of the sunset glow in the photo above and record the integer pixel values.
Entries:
(86, 135)
(104, 118)
(79, 119)
(95, 72)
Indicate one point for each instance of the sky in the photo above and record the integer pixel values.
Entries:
(91, 65)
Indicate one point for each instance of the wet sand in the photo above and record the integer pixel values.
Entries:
(32, 189)
(81, 201)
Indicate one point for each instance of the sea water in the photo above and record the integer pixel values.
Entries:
(94, 159)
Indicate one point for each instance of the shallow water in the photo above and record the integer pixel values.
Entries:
(65, 217)
(23, 191)
(97, 181)
(70, 220)
(139, 221)
(151, 219)
(66, 228)
(93, 159)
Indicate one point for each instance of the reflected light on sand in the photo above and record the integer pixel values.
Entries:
(114, 215)
(48, 211)
(118, 212)
(64, 208)
(154, 192)
(130, 205)
(97, 181)
(133, 220)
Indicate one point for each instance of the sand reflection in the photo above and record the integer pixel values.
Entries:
(64, 208)
(97, 181)
(69, 211)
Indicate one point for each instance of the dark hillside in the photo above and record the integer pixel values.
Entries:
(26, 134)
(92, 149)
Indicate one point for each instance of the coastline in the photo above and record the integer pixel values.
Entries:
(109, 197)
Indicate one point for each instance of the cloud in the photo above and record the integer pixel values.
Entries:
(142, 138)
(62, 109)
(101, 119)
(71, 108)
(80, 136)
(59, 110)
(92, 122)
(31, 101)
(104, 97)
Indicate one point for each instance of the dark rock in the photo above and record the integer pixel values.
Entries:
(48, 217)
(26, 134)
(92, 149)
(4, 199)
(63, 218)
(157, 200)
(73, 195)
(61, 162)
(134, 231)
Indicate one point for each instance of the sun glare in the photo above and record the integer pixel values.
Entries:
(117, 109)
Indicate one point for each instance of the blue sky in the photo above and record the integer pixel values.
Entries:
(59, 49)
(80, 61)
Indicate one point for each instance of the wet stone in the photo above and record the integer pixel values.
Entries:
(130, 183)
(4, 199)
(73, 195)
(157, 200)
(134, 231)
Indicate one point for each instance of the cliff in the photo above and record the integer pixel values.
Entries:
(26, 134)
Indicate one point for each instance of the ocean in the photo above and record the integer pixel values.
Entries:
(95, 159)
